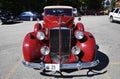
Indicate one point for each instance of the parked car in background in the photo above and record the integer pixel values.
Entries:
(75, 12)
(59, 43)
(6, 17)
(114, 15)
(0, 18)
(0, 21)
(29, 15)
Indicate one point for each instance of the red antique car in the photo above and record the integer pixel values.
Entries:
(59, 43)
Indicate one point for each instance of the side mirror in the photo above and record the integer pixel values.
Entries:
(79, 19)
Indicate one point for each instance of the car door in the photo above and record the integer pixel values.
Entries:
(119, 15)
(116, 14)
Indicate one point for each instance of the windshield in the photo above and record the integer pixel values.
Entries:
(67, 12)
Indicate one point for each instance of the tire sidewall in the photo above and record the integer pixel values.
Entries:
(111, 19)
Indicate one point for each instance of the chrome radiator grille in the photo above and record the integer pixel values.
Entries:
(62, 42)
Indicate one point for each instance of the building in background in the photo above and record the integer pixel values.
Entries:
(117, 4)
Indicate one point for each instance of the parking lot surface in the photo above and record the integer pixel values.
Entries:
(106, 35)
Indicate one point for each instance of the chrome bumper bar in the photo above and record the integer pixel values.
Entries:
(78, 65)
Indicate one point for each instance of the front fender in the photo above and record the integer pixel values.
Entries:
(88, 47)
(31, 47)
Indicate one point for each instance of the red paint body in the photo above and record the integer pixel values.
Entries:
(32, 45)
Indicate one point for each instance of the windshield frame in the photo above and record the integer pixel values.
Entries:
(58, 11)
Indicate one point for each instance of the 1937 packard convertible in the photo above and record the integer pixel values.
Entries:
(59, 43)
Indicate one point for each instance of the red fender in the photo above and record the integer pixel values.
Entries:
(37, 27)
(80, 26)
(88, 47)
(31, 48)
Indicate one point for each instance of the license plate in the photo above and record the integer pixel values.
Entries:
(52, 67)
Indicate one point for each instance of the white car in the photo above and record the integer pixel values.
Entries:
(114, 15)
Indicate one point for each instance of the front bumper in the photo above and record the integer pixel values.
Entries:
(78, 65)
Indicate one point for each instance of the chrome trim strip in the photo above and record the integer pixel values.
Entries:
(78, 65)
(34, 65)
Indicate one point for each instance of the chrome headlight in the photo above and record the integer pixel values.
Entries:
(40, 35)
(79, 35)
(45, 50)
(75, 50)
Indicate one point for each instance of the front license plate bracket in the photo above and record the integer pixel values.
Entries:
(52, 67)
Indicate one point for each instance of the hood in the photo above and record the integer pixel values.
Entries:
(57, 21)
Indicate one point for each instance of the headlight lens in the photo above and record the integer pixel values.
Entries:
(40, 35)
(76, 50)
(79, 35)
(45, 50)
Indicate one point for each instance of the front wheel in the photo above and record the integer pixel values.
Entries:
(111, 19)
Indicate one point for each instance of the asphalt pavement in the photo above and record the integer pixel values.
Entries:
(106, 35)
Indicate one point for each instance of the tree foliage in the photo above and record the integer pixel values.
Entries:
(22, 5)
(94, 4)
(17, 6)
(113, 4)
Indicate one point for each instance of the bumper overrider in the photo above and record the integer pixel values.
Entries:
(58, 67)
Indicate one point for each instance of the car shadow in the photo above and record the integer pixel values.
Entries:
(11, 23)
(104, 61)
(117, 22)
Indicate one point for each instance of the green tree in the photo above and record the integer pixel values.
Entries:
(112, 4)
(93, 4)
(22, 5)
(37, 5)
